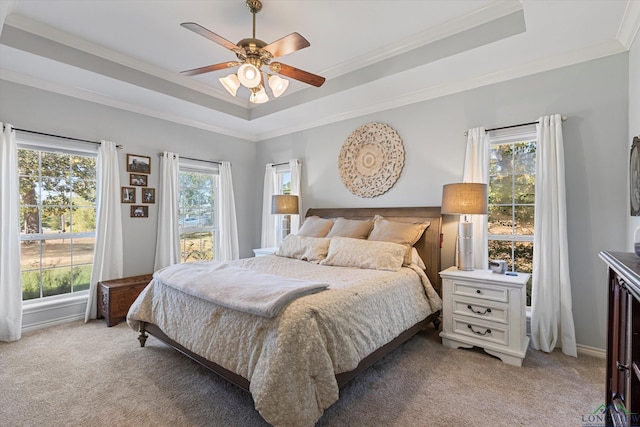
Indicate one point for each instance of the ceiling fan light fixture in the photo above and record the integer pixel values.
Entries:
(278, 85)
(249, 75)
(258, 95)
(230, 83)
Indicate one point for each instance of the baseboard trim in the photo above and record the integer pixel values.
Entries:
(585, 350)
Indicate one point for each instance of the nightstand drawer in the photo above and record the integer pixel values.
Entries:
(492, 333)
(480, 309)
(481, 291)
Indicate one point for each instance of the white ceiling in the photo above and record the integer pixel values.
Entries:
(375, 54)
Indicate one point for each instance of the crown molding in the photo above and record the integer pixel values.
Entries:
(426, 94)
(491, 12)
(46, 31)
(535, 67)
(27, 80)
(630, 24)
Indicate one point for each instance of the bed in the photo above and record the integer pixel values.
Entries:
(294, 362)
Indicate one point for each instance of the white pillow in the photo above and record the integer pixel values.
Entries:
(360, 253)
(416, 259)
(304, 248)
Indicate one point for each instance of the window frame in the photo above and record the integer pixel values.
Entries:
(50, 145)
(283, 222)
(512, 136)
(214, 171)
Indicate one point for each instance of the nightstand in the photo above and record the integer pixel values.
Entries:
(264, 251)
(484, 309)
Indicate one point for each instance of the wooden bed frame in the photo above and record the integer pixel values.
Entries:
(428, 248)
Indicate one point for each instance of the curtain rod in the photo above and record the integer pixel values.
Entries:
(196, 160)
(281, 164)
(62, 137)
(564, 118)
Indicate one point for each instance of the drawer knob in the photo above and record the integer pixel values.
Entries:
(488, 331)
(482, 313)
(478, 291)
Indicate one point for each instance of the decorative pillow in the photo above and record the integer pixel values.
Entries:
(404, 233)
(360, 253)
(416, 259)
(357, 229)
(304, 248)
(314, 226)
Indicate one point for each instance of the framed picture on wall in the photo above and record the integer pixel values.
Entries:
(138, 180)
(139, 211)
(634, 176)
(138, 164)
(148, 195)
(128, 195)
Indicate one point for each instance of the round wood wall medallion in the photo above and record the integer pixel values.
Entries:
(371, 160)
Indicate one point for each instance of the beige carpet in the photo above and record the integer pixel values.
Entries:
(90, 375)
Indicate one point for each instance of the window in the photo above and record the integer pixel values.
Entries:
(283, 184)
(197, 190)
(512, 174)
(57, 221)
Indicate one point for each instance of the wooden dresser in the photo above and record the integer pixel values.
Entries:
(623, 339)
(116, 296)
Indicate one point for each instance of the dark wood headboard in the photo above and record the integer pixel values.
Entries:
(429, 244)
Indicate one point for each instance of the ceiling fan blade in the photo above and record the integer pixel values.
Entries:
(199, 29)
(210, 68)
(296, 73)
(287, 44)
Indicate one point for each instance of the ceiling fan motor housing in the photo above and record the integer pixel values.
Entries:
(254, 6)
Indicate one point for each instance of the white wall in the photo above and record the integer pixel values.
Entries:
(34, 109)
(634, 126)
(594, 97)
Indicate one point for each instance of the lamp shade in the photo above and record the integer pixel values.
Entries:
(464, 199)
(230, 83)
(258, 95)
(284, 204)
(278, 85)
(249, 75)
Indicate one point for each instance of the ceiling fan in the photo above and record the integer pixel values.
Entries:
(253, 54)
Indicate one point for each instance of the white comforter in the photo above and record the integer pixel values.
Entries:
(291, 360)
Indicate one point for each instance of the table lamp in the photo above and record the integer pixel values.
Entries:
(284, 204)
(465, 199)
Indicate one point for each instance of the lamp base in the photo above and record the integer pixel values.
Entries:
(465, 246)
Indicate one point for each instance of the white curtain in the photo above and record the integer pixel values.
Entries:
(269, 224)
(227, 238)
(476, 170)
(551, 315)
(295, 166)
(168, 235)
(10, 279)
(108, 255)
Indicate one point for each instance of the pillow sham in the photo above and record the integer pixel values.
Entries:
(314, 226)
(312, 249)
(360, 253)
(357, 229)
(404, 233)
